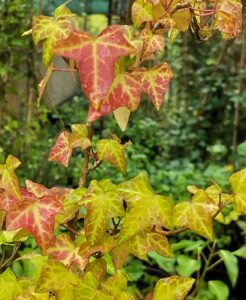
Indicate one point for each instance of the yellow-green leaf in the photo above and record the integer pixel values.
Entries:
(238, 183)
(112, 152)
(174, 288)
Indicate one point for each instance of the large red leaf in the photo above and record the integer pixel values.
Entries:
(96, 58)
(127, 88)
(36, 216)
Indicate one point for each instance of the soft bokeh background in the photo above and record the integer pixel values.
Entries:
(198, 136)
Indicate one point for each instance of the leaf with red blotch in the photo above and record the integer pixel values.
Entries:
(229, 18)
(64, 250)
(62, 151)
(96, 58)
(152, 42)
(36, 216)
(9, 181)
(7, 201)
(125, 91)
(38, 190)
(155, 82)
(79, 136)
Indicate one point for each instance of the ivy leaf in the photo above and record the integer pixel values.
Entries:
(79, 136)
(89, 289)
(103, 202)
(64, 250)
(238, 183)
(96, 58)
(152, 42)
(155, 82)
(182, 19)
(219, 289)
(229, 18)
(140, 246)
(122, 115)
(116, 285)
(55, 277)
(231, 263)
(63, 11)
(113, 152)
(42, 85)
(174, 288)
(125, 91)
(50, 30)
(9, 181)
(7, 201)
(8, 284)
(193, 216)
(38, 190)
(142, 11)
(145, 208)
(62, 151)
(37, 217)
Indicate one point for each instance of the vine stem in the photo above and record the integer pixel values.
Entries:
(12, 256)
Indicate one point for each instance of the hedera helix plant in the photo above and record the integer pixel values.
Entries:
(83, 232)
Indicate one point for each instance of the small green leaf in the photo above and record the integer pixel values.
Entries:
(187, 266)
(241, 252)
(231, 263)
(219, 289)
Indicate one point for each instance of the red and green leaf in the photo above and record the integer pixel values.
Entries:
(96, 58)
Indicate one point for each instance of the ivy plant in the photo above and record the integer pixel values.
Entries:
(86, 234)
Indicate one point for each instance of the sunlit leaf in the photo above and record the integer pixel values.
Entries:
(195, 217)
(152, 42)
(103, 202)
(111, 151)
(219, 289)
(55, 277)
(238, 183)
(64, 250)
(62, 151)
(174, 288)
(142, 11)
(146, 209)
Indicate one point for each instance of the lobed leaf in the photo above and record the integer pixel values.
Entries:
(174, 288)
(113, 152)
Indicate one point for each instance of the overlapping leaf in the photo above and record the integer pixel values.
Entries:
(55, 277)
(229, 18)
(62, 150)
(64, 250)
(96, 58)
(140, 246)
(103, 202)
(127, 88)
(195, 217)
(142, 11)
(37, 216)
(51, 30)
(9, 181)
(89, 289)
(112, 151)
(152, 42)
(155, 82)
(238, 183)
(174, 288)
(146, 209)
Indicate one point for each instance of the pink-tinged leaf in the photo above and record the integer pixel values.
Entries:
(64, 250)
(125, 91)
(62, 151)
(37, 217)
(38, 190)
(155, 82)
(9, 181)
(152, 42)
(96, 58)
(7, 201)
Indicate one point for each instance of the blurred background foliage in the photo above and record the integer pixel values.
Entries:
(198, 136)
